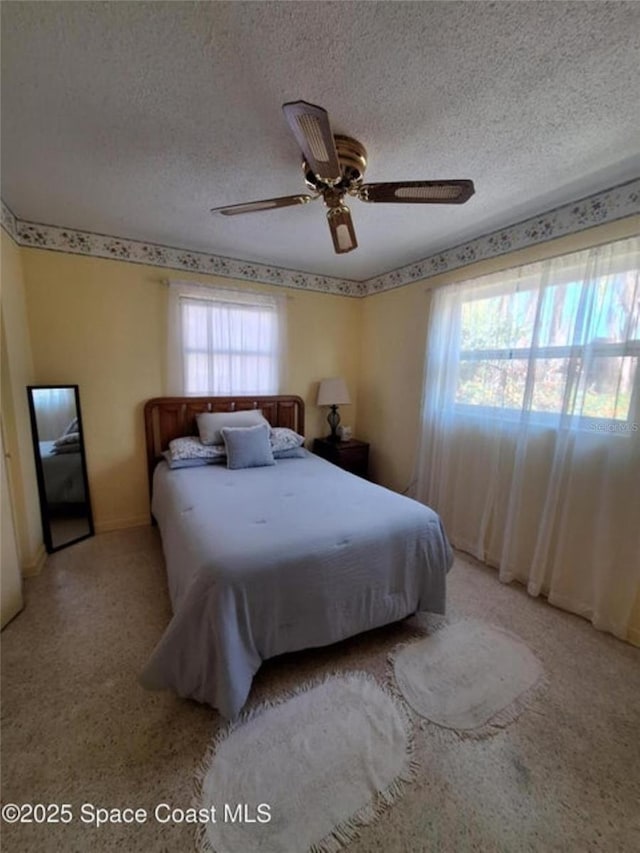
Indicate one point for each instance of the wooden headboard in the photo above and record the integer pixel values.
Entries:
(166, 418)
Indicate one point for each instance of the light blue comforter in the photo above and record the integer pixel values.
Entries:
(263, 561)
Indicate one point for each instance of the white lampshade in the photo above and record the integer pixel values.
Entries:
(333, 392)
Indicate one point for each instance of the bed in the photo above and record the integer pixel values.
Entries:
(263, 561)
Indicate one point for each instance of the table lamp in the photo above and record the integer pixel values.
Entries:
(333, 392)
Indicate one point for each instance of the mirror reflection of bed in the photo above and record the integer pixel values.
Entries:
(60, 464)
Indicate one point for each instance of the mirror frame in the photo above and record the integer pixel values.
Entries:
(42, 495)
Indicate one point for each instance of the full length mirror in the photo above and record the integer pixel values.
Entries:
(61, 468)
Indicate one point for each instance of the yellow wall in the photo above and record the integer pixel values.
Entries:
(17, 373)
(102, 324)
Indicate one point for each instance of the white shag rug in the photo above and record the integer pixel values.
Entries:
(321, 764)
(467, 675)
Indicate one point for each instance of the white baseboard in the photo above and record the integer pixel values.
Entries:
(33, 566)
(122, 523)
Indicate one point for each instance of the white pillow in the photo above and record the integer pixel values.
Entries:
(71, 427)
(210, 423)
(190, 447)
(283, 438)
(67, 438)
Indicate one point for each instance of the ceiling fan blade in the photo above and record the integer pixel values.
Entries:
(312, 130)
(342, 231)
(418, 192)
(266, 204)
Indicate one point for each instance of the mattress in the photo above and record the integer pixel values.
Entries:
(262, 561)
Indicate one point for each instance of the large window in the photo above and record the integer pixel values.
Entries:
(225, 341)
(530, 444)
(567, 344)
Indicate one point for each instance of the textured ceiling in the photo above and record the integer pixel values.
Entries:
(133, 119)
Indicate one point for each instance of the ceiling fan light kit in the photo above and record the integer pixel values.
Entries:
(334, 167)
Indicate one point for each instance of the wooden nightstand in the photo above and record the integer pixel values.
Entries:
(352, 455)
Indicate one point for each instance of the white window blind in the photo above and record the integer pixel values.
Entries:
(224, 341)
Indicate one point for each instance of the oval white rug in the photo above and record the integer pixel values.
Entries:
(322, 763)
(466, 675)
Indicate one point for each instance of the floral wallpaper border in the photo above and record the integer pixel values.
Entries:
(607, 206)
(8, 221)
(76, 242)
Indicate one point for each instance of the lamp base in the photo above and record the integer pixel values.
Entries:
(333, 419)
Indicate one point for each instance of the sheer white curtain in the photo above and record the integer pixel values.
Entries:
(530, 446)
(224, 341)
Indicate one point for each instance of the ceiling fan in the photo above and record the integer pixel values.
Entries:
(334, 167)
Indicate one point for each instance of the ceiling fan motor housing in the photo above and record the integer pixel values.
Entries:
(352, 156)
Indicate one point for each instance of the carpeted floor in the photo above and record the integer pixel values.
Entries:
(78, 729)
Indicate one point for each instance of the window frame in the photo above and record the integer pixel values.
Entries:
(519, 280)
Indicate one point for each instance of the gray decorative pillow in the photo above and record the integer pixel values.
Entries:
(210, 424)
(285, 439)
(248, 447)
(191, 447)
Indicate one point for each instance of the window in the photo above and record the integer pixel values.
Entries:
(530, 436)
(224, 341)
(567, 343)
